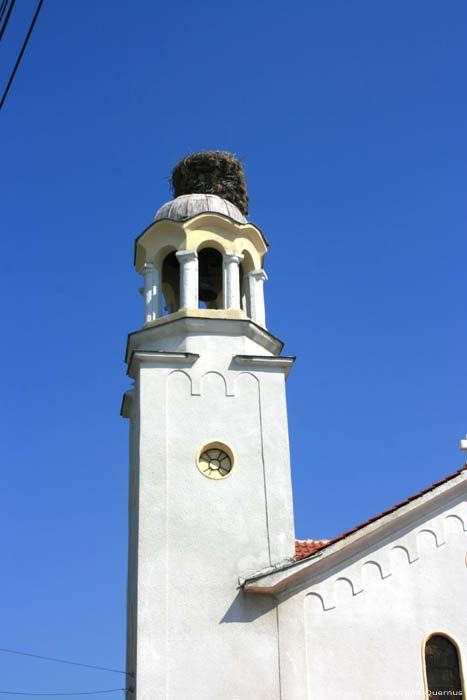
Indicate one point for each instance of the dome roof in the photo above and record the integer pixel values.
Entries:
(188, 205)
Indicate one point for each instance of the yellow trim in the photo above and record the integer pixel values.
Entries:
(235, 314)
(216, 445)
(441, 633)
(199, 232)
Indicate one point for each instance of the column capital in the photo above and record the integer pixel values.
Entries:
(233, 257)
(147, 267)
(186, 255)
(258, 275)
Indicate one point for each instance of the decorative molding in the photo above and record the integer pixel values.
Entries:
(222, 321)
(226, 379)
(146, 245)
(316, 596)
(348, 585)
(258, 275)
(235, 258)
(193, 381)
(139, 357)
(265, 362)
(455, 518)
(381, 559)
(145, 268)
(186, 255)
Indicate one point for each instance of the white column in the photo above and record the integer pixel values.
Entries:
(152, 292)
(231, 280)
(255, 296)
(147, 270)
(189, 283)
(156, 293)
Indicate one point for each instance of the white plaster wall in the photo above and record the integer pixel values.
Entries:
(198, 635)
(357, 632)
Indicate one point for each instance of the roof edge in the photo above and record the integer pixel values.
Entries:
(274, 581)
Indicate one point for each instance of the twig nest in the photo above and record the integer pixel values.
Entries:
(211, 172)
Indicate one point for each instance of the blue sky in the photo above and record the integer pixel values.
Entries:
(350, 120)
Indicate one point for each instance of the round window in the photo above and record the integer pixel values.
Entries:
(215, 460)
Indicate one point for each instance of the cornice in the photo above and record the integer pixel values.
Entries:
(205, 220)
(183, 323)
(140, 357)
(261, 361)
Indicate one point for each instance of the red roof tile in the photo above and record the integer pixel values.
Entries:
(305, 548)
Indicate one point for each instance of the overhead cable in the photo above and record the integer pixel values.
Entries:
(2, 29)
(64, 661)
(87, 692)
(3, 5)
(22, 50)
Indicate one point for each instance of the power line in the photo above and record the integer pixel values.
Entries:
(3, 8)
(64, 661)
(6, 18)
(22, 50)
(88, 692)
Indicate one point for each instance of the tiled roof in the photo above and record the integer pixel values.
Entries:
(305, 548)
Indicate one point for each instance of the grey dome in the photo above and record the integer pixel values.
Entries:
(188, 205)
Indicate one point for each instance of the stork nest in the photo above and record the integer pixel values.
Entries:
(211, 172)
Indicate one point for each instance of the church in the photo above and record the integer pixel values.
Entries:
(223, 602)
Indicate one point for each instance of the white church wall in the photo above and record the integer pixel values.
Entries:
(358, 631)
(214, 631)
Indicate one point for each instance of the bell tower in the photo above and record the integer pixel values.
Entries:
(210, 492)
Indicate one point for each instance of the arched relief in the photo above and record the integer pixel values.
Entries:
(437, 526)
(182, 379)
(213, 381)
(344, 590)
(383, 559)
(314, 603)
(436, 531)
(355, 577)
(371, 573)
(388, 561)
(411, 544)
(427, 540)
(240, 378)
(400, 557)
(179, 379)
(454, 523)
